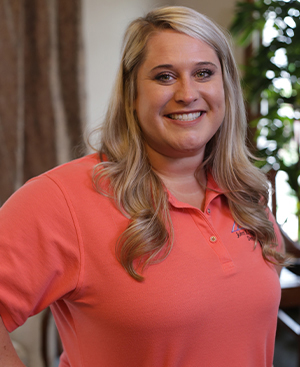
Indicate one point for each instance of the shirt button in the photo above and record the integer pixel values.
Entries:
(213, 239)
(208, 211)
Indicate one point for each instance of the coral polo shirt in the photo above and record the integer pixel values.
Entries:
(212, 302)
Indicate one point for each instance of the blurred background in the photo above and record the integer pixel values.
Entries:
(58, 62)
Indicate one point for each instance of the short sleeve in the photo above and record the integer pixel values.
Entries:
(39, 250)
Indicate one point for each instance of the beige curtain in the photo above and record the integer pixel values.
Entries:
(42, 110)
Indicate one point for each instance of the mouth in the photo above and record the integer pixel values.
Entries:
(185, 116)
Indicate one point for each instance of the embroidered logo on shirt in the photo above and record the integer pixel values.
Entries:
(240, 231)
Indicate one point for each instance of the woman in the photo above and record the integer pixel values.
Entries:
(159, 250)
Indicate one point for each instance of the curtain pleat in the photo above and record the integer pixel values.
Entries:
(42, 107)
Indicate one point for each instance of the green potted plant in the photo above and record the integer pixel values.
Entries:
(271, 82)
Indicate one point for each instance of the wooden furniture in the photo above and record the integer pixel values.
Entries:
(290, 290)
(290, 298)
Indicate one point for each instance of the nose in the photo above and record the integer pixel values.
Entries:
(187, 91)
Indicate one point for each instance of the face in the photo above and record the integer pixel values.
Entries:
(180, 95)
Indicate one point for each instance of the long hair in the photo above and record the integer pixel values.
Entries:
(136, 189)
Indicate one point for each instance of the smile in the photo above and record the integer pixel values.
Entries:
(185, 116)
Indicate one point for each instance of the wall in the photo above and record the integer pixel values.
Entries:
(104, 22)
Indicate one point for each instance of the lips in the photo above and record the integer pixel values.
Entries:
(185, 116)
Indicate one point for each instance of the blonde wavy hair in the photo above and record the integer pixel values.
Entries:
(136, 189)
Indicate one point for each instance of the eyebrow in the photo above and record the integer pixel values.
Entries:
(170, 66)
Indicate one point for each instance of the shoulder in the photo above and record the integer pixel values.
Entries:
(74, 169)
(71, 176)
(53, 189)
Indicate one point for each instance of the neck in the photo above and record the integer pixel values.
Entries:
(178, 175)
(174, 168)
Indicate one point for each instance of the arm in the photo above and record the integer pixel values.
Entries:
(39, 251)
(8, 355)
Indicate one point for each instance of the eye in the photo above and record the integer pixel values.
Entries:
(164, 77)
(203, 73)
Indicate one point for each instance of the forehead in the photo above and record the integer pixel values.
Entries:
(169, 46)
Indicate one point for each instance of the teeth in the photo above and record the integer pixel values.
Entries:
(185, 117)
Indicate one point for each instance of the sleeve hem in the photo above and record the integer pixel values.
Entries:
(7, 319)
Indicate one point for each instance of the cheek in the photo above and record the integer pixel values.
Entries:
(141, 112)
(149, 107)
(222, 95)
(219, 101)
(143, 115)
(223, 104)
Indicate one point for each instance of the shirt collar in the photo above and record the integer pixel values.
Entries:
(212, 191)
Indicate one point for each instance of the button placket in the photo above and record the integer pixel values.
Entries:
(203, 223)
(213, 239)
